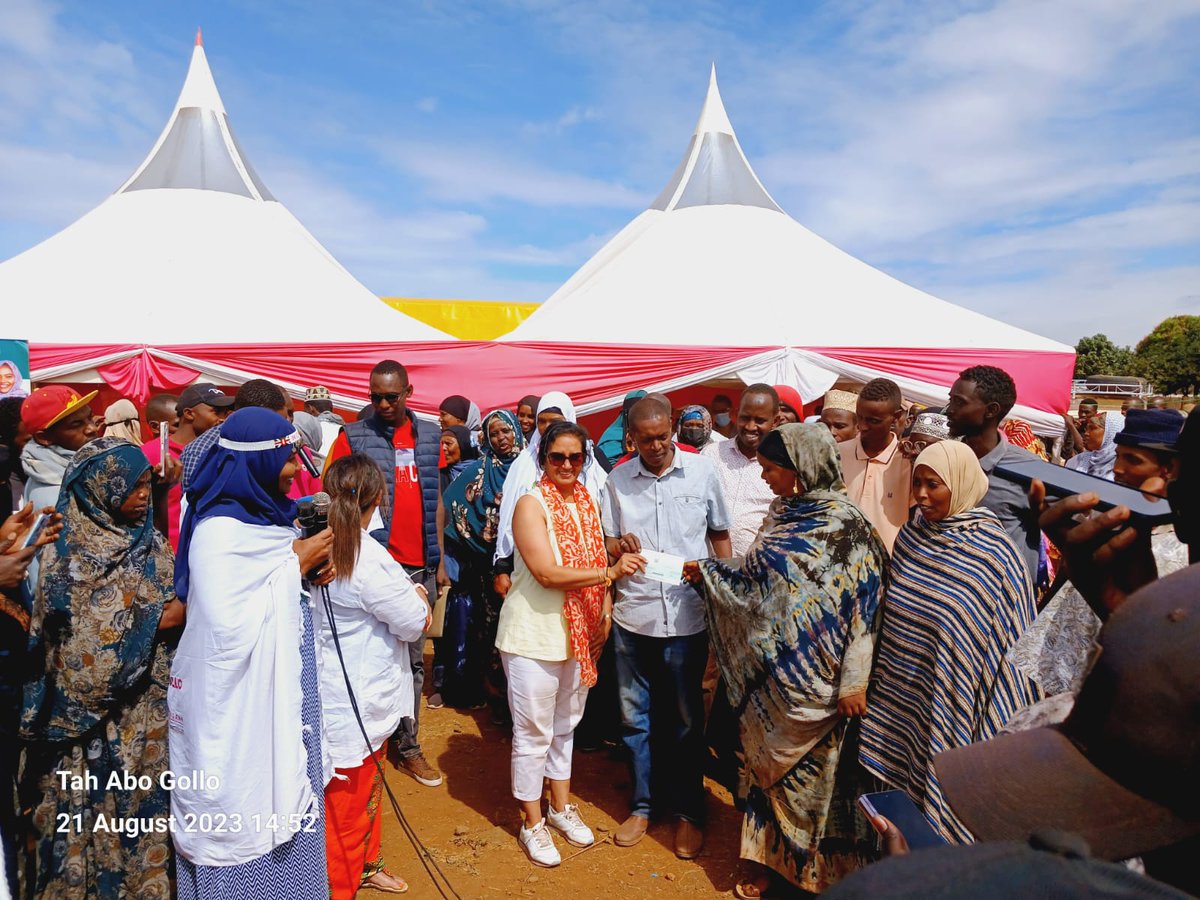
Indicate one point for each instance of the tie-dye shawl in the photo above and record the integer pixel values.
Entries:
(793, 624)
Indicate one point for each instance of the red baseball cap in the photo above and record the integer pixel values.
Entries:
(51, 404)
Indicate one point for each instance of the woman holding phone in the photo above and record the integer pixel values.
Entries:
(553, 625)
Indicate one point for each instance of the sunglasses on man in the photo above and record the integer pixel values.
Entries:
(390, 398)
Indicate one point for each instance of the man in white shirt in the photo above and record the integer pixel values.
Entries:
(746, 494)
(671, 502)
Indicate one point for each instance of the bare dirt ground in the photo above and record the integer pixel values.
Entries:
(470, 824)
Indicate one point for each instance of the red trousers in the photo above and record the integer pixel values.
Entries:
(352, 827)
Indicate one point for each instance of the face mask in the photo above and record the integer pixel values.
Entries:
(722, 419)
(691, 436)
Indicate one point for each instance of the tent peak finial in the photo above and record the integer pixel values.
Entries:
(199, 37)
(713, 117)
(714, 171)
(197, 149)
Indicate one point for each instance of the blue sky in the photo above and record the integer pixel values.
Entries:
(1037, 161)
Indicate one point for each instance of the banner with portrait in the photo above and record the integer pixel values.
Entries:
(14, 368)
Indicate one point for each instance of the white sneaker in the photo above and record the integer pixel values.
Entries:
(570, 825)
(538, 844)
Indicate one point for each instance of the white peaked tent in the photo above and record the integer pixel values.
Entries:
(715, 261)
(193, 248)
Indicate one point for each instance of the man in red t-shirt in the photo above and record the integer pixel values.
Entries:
(404, 542)
(200, 407)
(407, 452)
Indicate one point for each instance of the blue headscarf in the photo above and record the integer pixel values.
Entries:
(239, 483)
(100, 594)
(473, 500)
(612, 441)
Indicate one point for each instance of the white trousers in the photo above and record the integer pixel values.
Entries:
(546, 700)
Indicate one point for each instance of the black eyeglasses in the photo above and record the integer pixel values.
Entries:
(391, 398)
(557, 459)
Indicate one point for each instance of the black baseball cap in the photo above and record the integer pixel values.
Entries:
(1050, 864)
(202, 392)
(1154, 429)
(1123, 770)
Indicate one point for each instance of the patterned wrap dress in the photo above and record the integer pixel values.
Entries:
(793, 625)
(96, 706)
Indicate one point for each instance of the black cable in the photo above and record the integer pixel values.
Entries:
(422, 851)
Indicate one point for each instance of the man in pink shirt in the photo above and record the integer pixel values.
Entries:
(200, 407)
(878, 476)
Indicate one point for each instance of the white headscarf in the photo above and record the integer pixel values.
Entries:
(1100, 462)
(474, 419)
(525, 472)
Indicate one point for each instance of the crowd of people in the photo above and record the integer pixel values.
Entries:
(225, 624)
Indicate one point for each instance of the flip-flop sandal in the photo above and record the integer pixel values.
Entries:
(749, 889)
(368, 884)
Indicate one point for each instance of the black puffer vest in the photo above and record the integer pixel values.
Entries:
(373, 438)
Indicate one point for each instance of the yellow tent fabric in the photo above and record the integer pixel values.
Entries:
(468, 320)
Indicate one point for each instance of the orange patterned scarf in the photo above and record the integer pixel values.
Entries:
(581, 545)
(1020, 434)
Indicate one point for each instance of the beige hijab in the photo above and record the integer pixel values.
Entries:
(121, 421)
(957, 466)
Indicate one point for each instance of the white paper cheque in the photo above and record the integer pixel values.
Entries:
(663, 566)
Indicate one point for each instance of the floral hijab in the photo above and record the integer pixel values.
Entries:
(473, 499)
(100, 594)
(696, 418)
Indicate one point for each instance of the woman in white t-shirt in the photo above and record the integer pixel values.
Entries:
(377, 611)
(553, 625)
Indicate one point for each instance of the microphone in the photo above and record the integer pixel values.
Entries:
(314, 518)
(314, 514)
(306, 458)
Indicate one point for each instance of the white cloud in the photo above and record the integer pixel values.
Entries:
(576, 115)
(477, 174)
(53, 187)
(416, 253)
(1085, 298)
(428, 104)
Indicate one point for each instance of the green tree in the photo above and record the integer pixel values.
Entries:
(1169, 356)
(1097, 355)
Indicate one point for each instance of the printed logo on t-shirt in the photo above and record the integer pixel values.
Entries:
(406, 463)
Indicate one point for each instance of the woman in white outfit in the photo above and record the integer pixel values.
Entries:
(378, 612)
(553, 625)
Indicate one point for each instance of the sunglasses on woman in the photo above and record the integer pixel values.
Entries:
(557, 459)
